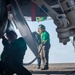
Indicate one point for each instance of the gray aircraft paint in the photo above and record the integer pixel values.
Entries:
(23, 27)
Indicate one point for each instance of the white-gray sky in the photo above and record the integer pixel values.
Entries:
(58, 52)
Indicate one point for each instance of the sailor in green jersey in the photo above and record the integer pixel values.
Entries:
(45, 44)
(13, 54)
(45, 37)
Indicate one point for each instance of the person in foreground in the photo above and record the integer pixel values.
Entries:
(13, 54)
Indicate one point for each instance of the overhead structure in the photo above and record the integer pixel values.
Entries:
(65, 23)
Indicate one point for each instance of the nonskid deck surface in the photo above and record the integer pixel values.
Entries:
(61, 68)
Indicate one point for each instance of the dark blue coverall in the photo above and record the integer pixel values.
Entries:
(13, 55)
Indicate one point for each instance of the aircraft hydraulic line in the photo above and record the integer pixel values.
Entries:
(68, 7)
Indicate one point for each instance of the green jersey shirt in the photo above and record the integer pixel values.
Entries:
(45, 37)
